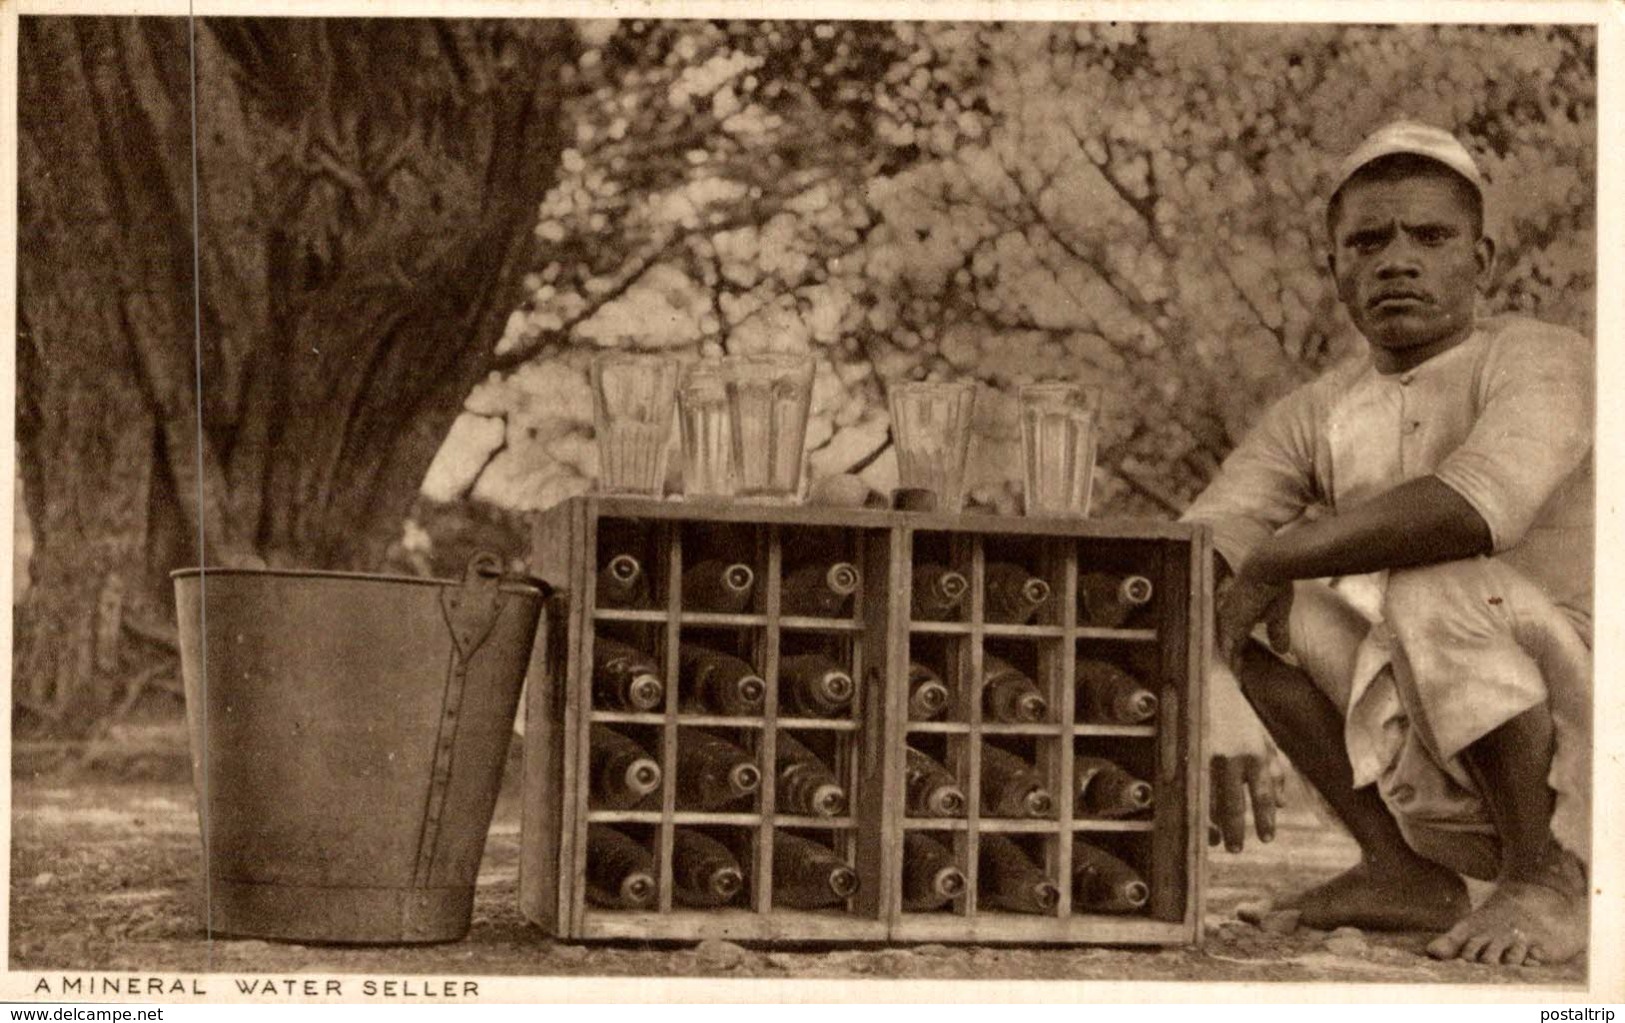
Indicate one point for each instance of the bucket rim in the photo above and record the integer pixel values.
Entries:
(508, 584)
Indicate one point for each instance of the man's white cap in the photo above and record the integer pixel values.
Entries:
(1418, 139)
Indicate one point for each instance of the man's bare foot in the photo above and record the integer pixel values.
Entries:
(1419, 897)
(1546, 920)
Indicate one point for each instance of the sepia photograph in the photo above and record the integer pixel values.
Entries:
(743, 495)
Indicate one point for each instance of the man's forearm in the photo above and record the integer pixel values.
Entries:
(1421, 522)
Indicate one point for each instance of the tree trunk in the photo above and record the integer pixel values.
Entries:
(365, 197)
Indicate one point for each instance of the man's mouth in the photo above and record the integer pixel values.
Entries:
(1398, 300)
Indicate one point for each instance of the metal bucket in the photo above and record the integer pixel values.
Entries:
(348, 736)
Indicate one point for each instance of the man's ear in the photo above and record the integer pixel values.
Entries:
(1484, 255)
(1337, 281)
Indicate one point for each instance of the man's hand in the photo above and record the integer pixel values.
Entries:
(1235, 781)
(1242, 604)
(1244, 764)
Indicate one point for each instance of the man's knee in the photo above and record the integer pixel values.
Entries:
(1447, 592)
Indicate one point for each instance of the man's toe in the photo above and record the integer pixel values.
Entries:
(1517, 952)
(1472, 949)
(1448, 945)
(1496, 949)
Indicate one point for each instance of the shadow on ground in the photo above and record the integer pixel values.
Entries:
(105, 875)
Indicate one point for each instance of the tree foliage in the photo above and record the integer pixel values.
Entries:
(1135, 205)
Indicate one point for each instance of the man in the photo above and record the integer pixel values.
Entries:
(1428, 664)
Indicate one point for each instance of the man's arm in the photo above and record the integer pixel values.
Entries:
(1420, 522)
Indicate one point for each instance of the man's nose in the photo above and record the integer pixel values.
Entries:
(1399, 259)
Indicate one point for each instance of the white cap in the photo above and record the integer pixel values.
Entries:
(1418, 139)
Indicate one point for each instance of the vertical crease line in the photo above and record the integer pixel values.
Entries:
(202, 505)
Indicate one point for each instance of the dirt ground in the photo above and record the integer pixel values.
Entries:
(105, 875)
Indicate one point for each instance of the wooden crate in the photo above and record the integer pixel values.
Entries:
(1165, 646)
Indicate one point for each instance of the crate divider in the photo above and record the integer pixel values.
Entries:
(1066, 560)
(669, 733)
(767, 752)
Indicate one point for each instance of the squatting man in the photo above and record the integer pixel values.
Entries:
(1405, 582)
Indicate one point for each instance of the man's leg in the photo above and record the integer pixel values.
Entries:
(1391, 888)
(1538, 912)
(1491, 674)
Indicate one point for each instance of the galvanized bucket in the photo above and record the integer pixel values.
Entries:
(348, 736)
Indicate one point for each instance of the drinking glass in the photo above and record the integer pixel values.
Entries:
(632, 400)
(768, 399)
(702, 402)
(1058, 427)
(931, 428)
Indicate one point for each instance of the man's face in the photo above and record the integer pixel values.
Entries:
(1408, 264)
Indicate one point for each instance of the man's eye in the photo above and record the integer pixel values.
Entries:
(1364, 242)
(1434, 235)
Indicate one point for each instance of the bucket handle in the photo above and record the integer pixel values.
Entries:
(472, 608)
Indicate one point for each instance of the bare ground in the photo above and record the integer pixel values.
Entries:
(105, 876)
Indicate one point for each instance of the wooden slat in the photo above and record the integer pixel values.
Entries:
(735, 925)
(996, 928)
(1085, 824)
(627, 717)
(936, 823)
(819, 724)
(864, 518)
(578, 700)
(1039, 728)
(936, 727)
(1122, 731)
(1167, 875)
(1118, 635)
(872, 749)
(1068, 715)
(628, 614)
(790, 820)
(971, 681)
(667, 835)
(1194, 755)
(804, 623)
(1018, 826)
(762, 896)
(547, 682)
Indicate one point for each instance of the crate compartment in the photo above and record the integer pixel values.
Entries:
(712, 867)
(933, 875)
(822, 575)
(622, 870)
(813, 871)
(630, 568)
(1016, 873)
(1113, 780)
(724, 568)
(629, 673)
(939, 686)
(1018, 778)
(625, 767)
(936, 777)
(1120, 584)
(818, 677)
(719, 672)
(717, 771)
(1117, 684)
(1020, 683)
(939, 579)
(815, 777)
(1022, 581)
(1111, 873)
